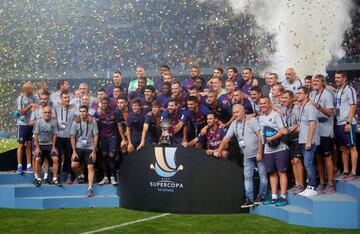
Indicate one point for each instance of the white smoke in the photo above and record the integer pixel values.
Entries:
(307, 33)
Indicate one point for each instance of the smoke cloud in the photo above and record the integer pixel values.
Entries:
(307, 33)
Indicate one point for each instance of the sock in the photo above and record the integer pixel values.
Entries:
(90, 187)
(28, 165)
(82, 176)
(113, 166)
(274, 196)
(19, 165)
(283, 196)
(54, 178)
(45, 176)
(38, 179)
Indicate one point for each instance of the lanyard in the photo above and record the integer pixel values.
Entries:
(66, 116)
(236, 129)
(319, 96)
(302, 109)
(87, 128)
(342, 92)
(288, 116)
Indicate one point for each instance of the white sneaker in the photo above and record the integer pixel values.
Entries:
(105, 180)
(304, 192)
(113, 181)
(311, 192)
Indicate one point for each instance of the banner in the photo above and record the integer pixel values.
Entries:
(180, 180)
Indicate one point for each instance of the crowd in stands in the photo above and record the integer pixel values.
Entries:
(75, 36)
(297, 122)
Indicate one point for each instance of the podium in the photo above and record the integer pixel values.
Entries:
(180, 180)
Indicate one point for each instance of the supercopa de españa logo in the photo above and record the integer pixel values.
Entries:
(165, 167)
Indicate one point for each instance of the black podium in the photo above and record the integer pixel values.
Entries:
(180, 180)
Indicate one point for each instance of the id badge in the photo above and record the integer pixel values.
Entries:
(337, 112)
(62, 126)
(83, 141)
(242, 144)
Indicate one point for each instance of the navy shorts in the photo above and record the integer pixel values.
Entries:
(343, 138)
(108, 144)
(326, 146)
(24, 133)
(84, 156)
(276, 162)
(294, 149)
(45, 152)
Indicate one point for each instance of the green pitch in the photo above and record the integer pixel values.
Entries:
(7, 144)
(90, 219)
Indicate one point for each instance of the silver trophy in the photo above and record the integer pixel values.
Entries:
(165, 135)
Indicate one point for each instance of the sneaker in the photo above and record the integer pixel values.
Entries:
(310, 192)
(47, 181)
(81, 180)
(69, 180)
(259, 200)
(105, 180)
(298, 189)
(90, 192)
(37, 182)
(330, 189)
(303, 192)
(56, 182)
(19, 169)
(321, 188)
(270, 202)
(248, 204)
(344, 177)
(76, 181)
(30, 170)
(281, 202)
(354, 177)
(113, 181)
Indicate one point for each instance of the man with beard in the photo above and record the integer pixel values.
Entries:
(140, 73)
(292, 81)
(249, 81)
(84, 139)
(63, 86)
(177, 94)
(212, 137)
(65, 115)
(117, 82)
(138, 93)
(177, 120)
(189, 82)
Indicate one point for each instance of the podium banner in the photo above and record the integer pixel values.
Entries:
(180, 180)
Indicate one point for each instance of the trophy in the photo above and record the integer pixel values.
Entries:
(165, 135)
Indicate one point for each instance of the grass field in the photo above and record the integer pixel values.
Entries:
(7, 144)
(84, 220)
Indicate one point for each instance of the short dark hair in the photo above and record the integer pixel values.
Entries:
(192, 99)
(305, 89)
(143, 78)
(173, 100)
(274, 74)
(64, 93)
(165, 66)
(117, 87)
(122, 97)
(156, 103)
(105, 99)
(84, 107)
(136, 101)
(256, 89)
(308, 77)
(151, 88)
(61, 83)
(219, 69)
(101, 90)
(291, 94)
(232, 68)
(118, 72)
(248, 68)
(342, 73)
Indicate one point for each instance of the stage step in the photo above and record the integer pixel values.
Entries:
(335, 210)
(67, 202)
(18, 192)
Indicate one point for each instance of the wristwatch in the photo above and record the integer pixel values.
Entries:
(347, 122)
(318, 106)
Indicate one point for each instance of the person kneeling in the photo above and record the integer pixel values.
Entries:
(84, 139)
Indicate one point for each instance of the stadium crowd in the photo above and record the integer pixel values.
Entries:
(298, 122)
(93, 36)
